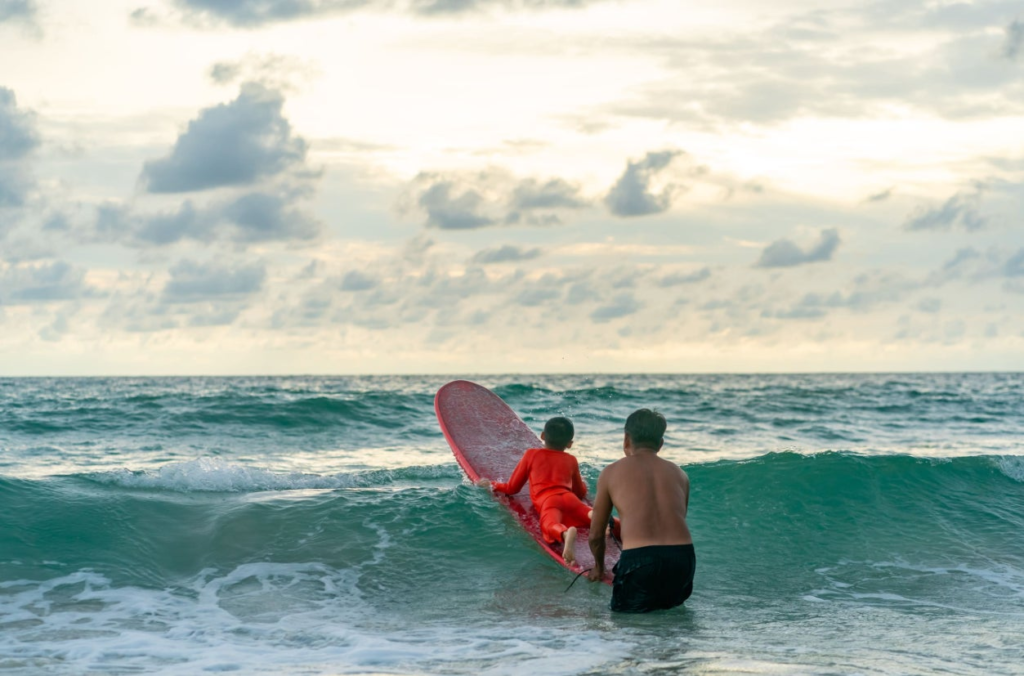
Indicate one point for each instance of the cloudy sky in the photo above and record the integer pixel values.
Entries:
(466, 186)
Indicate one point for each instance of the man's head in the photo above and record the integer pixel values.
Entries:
(558, 433)
(645, 429)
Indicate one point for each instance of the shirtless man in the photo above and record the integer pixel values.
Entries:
(656, 568)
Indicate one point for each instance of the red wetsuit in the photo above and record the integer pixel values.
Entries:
(555, 489)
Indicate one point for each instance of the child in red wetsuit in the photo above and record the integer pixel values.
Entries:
(556, 487)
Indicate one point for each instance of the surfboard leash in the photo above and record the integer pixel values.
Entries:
(576, 578)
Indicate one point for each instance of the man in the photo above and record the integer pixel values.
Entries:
(656, 568)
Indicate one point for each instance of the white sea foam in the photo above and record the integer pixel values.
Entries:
(978, 583)
(1012, 466)
(264, 618)
(214, 475)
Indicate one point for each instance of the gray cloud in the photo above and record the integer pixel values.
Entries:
(29, 284)
(540, 295)
(869, 291)
(954, 268)
(164, 228)
(274, 71)
(1014, 266)
(18, 135)
(784, 253)
(505, 254)
(17, 10)
(266, 216)
(552, 194)
(225, 72)
(491, 198)
(1014, 39)
(678, 278)
(622, 305)
(193, 282)
(631, 195)
(355, 280)
(450, 208)
(959, 210)
(799, 311)
(881, 196)
(254, 13)
(257, 216)
(232, 144)
(580, 292)
(18, 138)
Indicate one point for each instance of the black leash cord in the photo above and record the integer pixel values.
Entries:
(576, 578)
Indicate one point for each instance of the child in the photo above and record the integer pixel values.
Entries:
(556, 487)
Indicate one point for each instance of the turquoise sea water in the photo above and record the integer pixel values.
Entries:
(844, 524)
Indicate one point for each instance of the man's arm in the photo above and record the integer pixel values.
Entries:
(602, 511)
(518, 479)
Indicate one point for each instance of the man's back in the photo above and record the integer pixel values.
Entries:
(651, 495)
(655, 570)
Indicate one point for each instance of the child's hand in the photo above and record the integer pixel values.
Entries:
(483, 483)
(596, 573)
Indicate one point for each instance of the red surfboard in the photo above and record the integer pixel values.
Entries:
(488, 439)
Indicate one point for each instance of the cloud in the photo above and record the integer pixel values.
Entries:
(450, 207)
(42, 283)
(266, 215)
(869, 291)
(355, 280)
(881, 196)
(1014, 39)
(834, 63)
(784, 253)
(274, 71)
(193, 282)
(552, 194)
(504, 254)
(18, 138)
(954, 268)
(535, 297)
(18, 135)
(959, 210)
(232, 144)
(631, 195)
(254, 13)
(678, 278)
(1014, 266)
(468, 201)
(622, 305)
(17, 10)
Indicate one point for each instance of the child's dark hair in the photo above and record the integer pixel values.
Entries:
(558, 432)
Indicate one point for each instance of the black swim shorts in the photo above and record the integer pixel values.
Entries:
(653, 578)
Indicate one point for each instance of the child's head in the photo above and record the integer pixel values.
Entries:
(558, 433)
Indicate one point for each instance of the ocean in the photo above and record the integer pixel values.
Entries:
(844, 524)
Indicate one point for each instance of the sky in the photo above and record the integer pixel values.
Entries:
(510, 186)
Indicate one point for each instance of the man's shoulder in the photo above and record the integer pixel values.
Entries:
(614, 467)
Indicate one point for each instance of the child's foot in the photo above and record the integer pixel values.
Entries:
(569, 550)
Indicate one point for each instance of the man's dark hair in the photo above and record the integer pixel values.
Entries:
(646, 428)
(558, 432)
